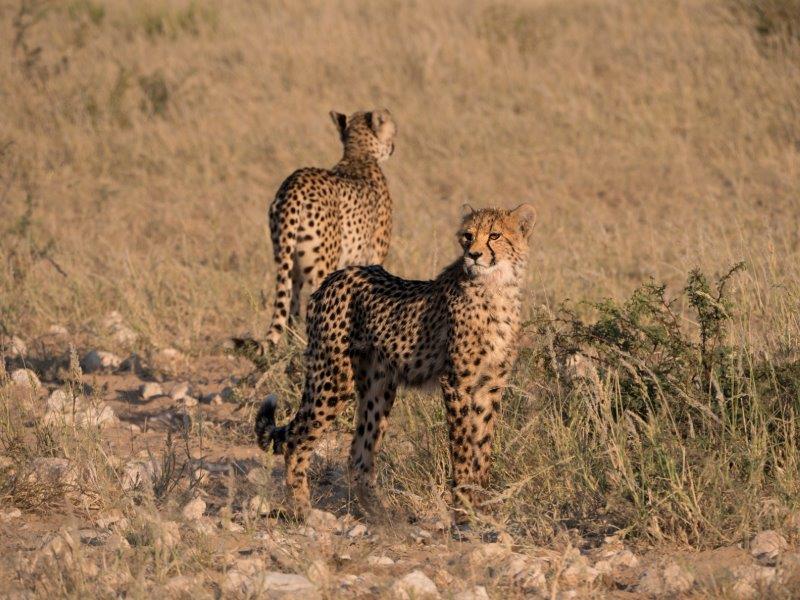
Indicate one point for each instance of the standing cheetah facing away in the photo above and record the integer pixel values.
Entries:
(322, 220)
(369, 331)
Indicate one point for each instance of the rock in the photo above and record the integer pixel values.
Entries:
(318, 573)
(282, 585)
(25, 378)
(526, 573)
(168, 359)
(413, 586)
(357, 531)
(15, 347)
(258, 507)
(180, 585)
(766, 546)
(379, 561)
(151, 389)
(180, 391)
(194, 509)
(421, 536)
(57, 330)
(321, 520)
(789, 570)
(10, 515)
(58, 400)
(488, 555)
(752, 581)
(670, 580)
(614, 560)
(124, 335)
(139, 475)
(99, 360)
(204, 526)
(112, 519)
(56, 472)
(168, 536)
(476, 593)
(62, 552)
(62, 409)
(579, 573)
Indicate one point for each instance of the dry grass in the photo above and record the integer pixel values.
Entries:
(141, 143)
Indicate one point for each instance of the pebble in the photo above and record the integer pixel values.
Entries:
(194, 509)
(100, 360)
(25, 378)
(766, 546)
(413, 586)
(150, 389)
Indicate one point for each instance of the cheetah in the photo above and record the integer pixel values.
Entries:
(322, 220)
(370, 331)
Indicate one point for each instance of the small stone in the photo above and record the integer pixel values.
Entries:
(180, 585)
(168, 536)
(124, 335)
(99, 360)
(204, 526)
(321, 520)
(194, 509)
(258, 507)
(671, 580)
(25, 378)
(180, 391)
(766, 546)
(58, 330)
(10, 514)
(139, 475)
(232, 526)
(579, 573)
(357, 531)
(318, 573)
(213, 399)
(150, 389)
(282, 585)
(16, 347)
(476, 593)
(413, 586)
(58, 400)
(420, 536)
(379, 561)
(57, 472)
(614, 560)
(487, 554)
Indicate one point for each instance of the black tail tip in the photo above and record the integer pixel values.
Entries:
(249, 348)
(266, 432)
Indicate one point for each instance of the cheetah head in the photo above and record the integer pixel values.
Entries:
(368, 133)
(495, 241)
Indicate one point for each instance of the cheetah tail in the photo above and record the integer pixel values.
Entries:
(251, 349)
(266, 431)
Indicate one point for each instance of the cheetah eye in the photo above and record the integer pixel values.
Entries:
(494, 236)
(468, 237)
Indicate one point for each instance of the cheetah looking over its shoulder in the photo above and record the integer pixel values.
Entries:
(369, 331)
(322, 220)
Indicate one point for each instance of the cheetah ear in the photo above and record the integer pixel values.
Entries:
(466, 211)
(340, 121)
(526, 217)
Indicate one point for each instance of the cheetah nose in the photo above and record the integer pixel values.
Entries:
(474, 255)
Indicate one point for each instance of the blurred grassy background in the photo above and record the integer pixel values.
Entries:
(141, 143)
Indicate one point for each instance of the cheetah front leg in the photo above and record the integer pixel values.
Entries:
(471, 402)
(377, 390)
